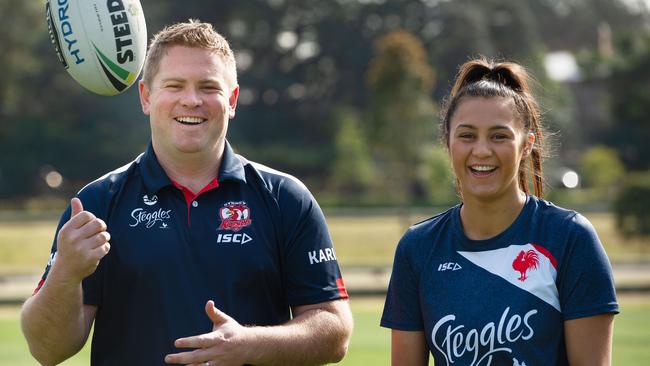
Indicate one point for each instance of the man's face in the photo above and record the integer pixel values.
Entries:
(189, 102)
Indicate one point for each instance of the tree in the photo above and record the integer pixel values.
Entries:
(622, 77)
(18, 61)
(631, 206)
(572, 24)
(628, 82)
(401, 114)
(353, 174)
(298, 61)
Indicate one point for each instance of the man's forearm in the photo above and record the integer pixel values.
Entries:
(315, 337)
(53, 321)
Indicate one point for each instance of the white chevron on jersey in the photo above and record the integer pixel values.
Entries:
(534, 272)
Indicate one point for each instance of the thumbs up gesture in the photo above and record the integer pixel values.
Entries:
(227, 344)
(81, 243)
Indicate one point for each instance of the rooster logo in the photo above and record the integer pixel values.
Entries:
(234, 216)
(524, 262)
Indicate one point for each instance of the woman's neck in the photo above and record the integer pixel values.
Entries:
(486, 219)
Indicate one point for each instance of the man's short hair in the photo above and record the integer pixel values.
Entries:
(192, 33)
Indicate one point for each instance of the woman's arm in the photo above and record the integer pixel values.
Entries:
(589, 340)
(408, 349)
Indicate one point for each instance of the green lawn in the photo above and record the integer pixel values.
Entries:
(360, 239)
(13, 349)
(371, 240)
(25, 245)
(370, 344)
(632, 332)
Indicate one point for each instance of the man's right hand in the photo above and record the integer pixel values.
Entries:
(82, 242)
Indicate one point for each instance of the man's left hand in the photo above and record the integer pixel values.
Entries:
(226, 345)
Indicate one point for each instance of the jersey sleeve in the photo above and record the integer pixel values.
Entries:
(586, 285)
(402, 307)
(310, 267)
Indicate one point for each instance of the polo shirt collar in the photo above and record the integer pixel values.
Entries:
(155, 178)
(232, 166)
(153, 175)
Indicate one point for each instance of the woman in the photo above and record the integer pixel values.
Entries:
(503, 278)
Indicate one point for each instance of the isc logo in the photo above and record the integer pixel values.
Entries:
(449, 266)
(234, 238)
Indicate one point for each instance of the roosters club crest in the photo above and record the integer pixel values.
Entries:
(234, 216)
(524, 262)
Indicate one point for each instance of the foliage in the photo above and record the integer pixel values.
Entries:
(631, 101)
(50, 122)
(572, 24)
(631, 206)
(352, 174)
(299, 62)
(624, 75)
(439, 176)
(601, 168)
(21, 64)
(501, 29)
(401, 113)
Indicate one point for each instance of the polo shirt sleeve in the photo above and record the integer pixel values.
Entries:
(586, 284)
(65, 217)
(310, 268)
(402, 307)
(92, 284)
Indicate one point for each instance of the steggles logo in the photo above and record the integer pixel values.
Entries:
(149, 219)
(455, 340)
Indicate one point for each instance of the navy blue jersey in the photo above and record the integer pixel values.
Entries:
(500, 301)
(254, 241)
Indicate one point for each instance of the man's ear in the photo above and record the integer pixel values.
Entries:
(232, 101)
(144, 97)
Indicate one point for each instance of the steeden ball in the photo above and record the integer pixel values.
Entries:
(102, 44)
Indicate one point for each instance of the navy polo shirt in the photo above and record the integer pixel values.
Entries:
(255, 241)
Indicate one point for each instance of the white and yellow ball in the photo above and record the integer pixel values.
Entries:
(101, 43)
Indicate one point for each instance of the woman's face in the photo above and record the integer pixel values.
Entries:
(487, 143)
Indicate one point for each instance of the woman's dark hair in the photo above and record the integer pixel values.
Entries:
(487, 79)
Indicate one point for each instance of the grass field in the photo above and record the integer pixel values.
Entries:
(371, 240)
(370, 344)
(360, 239)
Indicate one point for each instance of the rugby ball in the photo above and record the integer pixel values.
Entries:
(101, 43)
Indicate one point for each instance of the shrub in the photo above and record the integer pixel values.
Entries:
(632, 206)
(601, 168)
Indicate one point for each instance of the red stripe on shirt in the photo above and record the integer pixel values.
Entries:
(38, 287)
(546, 253)
(342, 291)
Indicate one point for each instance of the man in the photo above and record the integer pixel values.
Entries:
(211, 259)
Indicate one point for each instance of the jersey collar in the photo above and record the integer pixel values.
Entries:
(155, 178)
